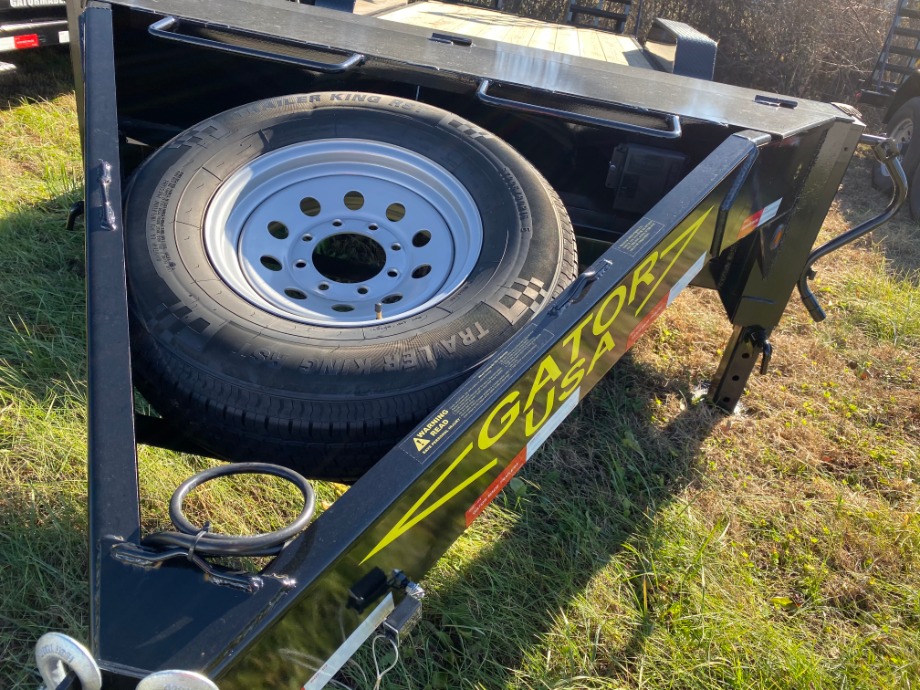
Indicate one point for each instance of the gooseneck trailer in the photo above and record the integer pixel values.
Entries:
(345, 244)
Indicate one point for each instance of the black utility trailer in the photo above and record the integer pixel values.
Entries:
(309, 242)
(26, 24)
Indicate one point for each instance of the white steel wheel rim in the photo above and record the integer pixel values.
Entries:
(902, 134)
(345, 232)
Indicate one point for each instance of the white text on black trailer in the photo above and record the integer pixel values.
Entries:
(26, 24)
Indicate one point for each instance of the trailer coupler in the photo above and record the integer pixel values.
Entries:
(886, 151)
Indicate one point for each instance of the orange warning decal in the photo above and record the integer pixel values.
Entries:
(649, 319)
(501, 481)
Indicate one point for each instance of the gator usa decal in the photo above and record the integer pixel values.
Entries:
(534, 405)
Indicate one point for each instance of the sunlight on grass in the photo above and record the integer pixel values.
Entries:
(884, 307)
(652, 543)
(39, 144)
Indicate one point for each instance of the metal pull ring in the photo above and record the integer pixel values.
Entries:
(196, 540)
(57, 654)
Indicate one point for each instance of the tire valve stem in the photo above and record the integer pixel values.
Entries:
(378, 309)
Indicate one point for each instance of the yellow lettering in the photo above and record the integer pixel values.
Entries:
(601, 326)
(605, 344)
(486, 439)
(643, 275)
(529, 426)
(548, 372)
(575, 337)
(572, 378)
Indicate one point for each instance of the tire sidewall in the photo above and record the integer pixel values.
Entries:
(910, 158)
(181, 306)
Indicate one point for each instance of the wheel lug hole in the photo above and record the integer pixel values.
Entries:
(354, 201)
(271, 263)
(393, 273)
(307, 238)
(337, 223)
(324, 286)
(278, 230)
(362, 290)
(373, 226)
(396, 246)
(310, 206)
(395, 212)
(300, 263)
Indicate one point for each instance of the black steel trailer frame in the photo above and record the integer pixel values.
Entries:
(743, 222)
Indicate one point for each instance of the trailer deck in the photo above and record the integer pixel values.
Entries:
(522, 31)
(407, 53)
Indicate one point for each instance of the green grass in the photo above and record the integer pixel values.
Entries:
(884, 307)
(653, 543)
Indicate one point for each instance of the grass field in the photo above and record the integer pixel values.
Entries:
(653, 543)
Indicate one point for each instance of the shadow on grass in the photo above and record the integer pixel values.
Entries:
(40, 75)
(858, 201)
(595, 488)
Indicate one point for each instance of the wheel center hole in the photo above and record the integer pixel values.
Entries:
(349, 258)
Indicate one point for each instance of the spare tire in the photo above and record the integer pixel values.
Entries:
(310, 275)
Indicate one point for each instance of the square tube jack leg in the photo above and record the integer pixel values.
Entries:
(746, 344)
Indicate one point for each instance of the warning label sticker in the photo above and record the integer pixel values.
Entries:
(755, 220)
(435, 429)
(637, 239)
(483, 385)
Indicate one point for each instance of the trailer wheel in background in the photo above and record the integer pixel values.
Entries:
(311, 275)
(913, 199)
(901, 127)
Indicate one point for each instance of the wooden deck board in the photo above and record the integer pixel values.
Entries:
(590, 45)
(435, 17)
(544, 38)
(477, 22)
(567, 41)
(519, 34)
(622, 50)
(374, 6)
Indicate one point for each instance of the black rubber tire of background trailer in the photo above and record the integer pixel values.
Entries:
(231, 377)
(913, 197)
(910, 157)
